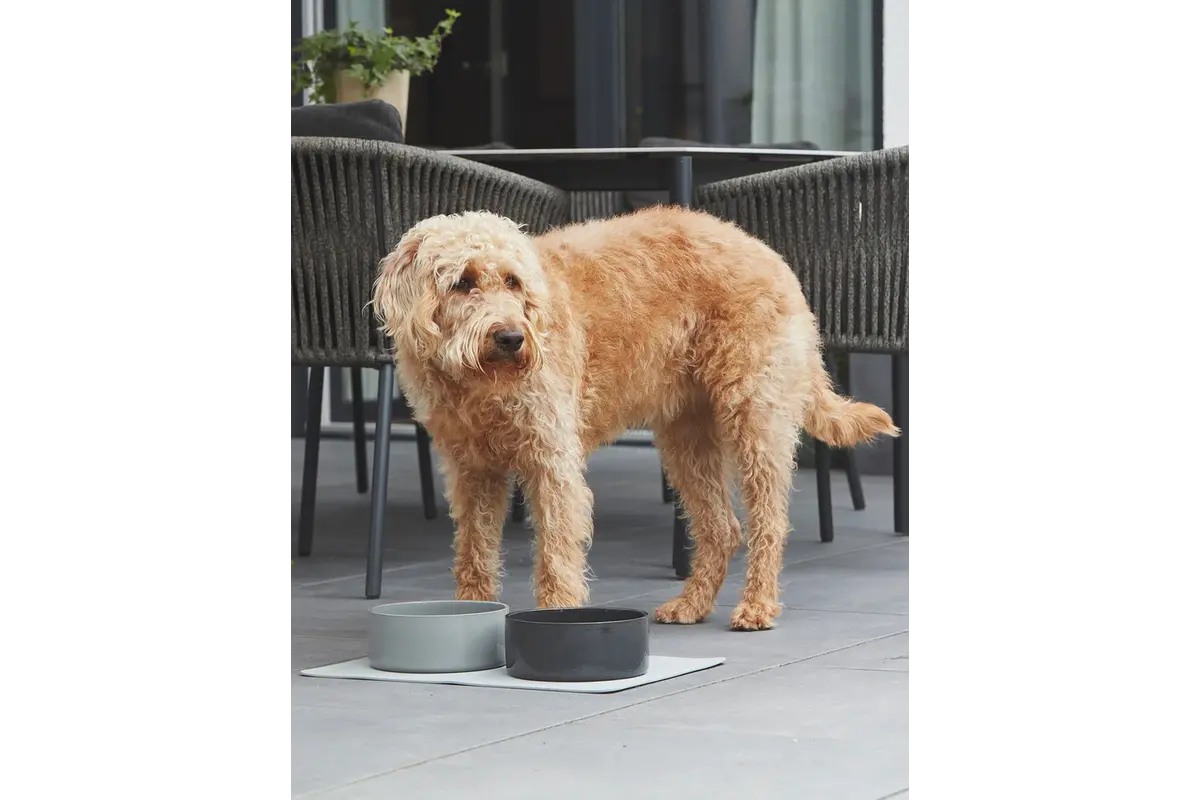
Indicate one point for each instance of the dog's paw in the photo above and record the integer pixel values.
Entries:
(679, 611)
(476, 591)
(751, 616)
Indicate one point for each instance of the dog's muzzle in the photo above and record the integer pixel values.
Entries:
(508, 340)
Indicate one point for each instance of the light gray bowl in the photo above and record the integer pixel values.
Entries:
(436, 636)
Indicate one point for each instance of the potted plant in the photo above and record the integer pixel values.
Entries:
(357, 64)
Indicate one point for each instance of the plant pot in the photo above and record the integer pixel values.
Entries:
(394, 90)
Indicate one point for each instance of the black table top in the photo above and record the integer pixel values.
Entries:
(599, 153)
(640, 168)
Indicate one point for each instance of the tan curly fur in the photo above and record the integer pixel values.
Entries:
(666, 318)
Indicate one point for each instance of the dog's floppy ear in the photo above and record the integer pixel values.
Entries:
(405, 304)
(537, 293)
(393, 289)
(401, 258)
(538, 311)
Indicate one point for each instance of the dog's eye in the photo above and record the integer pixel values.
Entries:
(464, 285)
(511, 282)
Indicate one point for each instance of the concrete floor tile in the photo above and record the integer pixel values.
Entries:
(790, 732)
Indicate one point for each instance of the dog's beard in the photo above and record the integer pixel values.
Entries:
(471, 348)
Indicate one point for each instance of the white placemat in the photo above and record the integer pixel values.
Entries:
(661, 668)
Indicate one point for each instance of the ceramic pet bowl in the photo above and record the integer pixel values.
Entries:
(436, 636)
(577, 644)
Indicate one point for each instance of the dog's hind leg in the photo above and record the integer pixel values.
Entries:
(478, 502)
(751, 364)
(764, 441)
(696, 467)
(562, 516)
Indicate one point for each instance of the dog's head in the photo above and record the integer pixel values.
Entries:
(465, 294)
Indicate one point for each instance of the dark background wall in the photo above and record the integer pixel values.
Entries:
(297, 34)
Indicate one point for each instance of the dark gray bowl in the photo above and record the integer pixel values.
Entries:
(577, 644)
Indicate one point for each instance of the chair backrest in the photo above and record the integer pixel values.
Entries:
(596, 205)
(375, 120)
(352, 200)
(842, 225)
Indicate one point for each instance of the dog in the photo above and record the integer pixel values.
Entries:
(522, 354)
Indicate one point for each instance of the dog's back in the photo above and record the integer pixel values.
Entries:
(670, 260)
(671, 299)
(659, 293)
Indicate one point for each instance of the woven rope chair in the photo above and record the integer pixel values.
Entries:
(842, 225)
(596, 205)
(352, 200)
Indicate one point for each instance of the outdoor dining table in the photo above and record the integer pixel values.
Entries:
(674, 170)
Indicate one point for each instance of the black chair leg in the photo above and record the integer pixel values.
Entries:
(425, 462)
(667, 495)
(900, 445)
(383, 448)
(518, 504)
(299, 398)
(824, 458)
(681, 554)
(360, 430)
(312, 450)
(853, 477)
(855, 480)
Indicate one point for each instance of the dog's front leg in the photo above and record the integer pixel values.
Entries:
(478, 501)
(562, 514)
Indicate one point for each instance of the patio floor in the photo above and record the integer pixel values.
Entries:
(816, 708)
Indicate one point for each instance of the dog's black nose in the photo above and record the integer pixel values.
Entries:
(509, 339)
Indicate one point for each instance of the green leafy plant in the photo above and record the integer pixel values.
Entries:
(369, 56)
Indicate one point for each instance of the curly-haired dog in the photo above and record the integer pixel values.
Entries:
(523, 354)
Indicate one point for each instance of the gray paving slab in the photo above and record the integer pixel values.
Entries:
(889, 654)
(791, 731)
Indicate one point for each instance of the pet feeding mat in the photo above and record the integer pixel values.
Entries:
(661, 669)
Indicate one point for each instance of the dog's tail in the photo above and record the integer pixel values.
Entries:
(841, 422)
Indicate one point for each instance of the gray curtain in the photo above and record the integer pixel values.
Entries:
(369, 14)
(813, 73)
